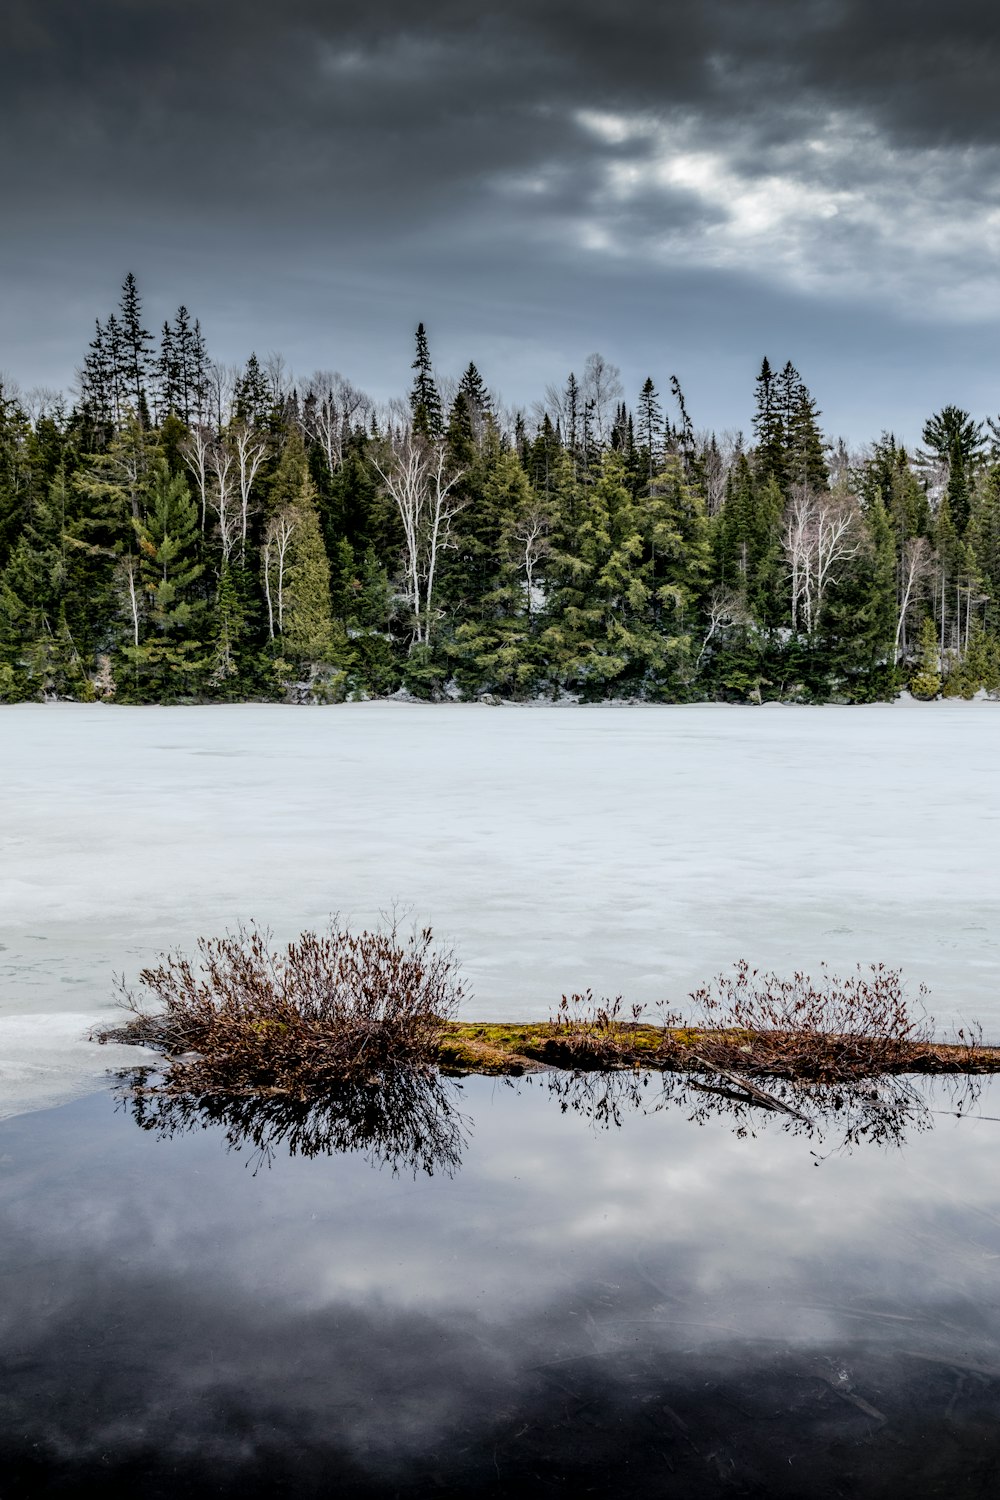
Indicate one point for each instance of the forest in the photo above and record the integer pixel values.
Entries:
(190, 532)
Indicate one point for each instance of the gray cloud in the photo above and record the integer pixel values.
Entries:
(835, 160)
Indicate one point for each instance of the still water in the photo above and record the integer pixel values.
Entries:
(503, 1288)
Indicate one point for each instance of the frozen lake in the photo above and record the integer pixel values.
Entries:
(635, 850)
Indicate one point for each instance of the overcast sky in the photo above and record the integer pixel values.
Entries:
(683, 185)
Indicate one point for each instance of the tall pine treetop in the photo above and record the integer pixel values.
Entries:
(425, 403)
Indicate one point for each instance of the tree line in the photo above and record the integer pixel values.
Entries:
(185, 531)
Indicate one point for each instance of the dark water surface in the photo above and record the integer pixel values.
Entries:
(581, 1297)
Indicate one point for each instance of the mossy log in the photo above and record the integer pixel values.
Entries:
(499, 1047)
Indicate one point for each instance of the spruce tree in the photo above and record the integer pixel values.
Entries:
(926, 680)
(252, 403)
(768, 426)
(805, 460)
(137, 344)
(477, 396)
(649, 425)
(172, 658)
(425, 403)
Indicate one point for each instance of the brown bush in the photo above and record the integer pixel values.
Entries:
(591, 1033)
(329, 1006)
(827, 1028)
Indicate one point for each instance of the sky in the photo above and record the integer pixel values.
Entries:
(684, 186)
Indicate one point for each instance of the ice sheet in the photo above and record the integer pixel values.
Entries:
(632, 849)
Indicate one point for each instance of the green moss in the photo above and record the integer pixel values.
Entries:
(496, 1047)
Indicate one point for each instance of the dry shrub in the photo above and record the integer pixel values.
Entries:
(824, 1029)
(591, 1033)
(329, 1006)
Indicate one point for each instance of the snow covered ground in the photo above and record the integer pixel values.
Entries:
(630, 849)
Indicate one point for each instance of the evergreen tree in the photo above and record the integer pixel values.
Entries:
(477, 397)
(252, 403)
(649, 426)
(35, 639)
(747, 539)
(425, 403)
(926, 681)
(136, 347)
(167, 375)
(859, 623)
(958, 442)
(769, 427)
(306, 626)
(805, 461)
(172, 656)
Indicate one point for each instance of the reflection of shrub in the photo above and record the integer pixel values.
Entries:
(329, 1006)
(406, 1119)
(826, 1028)
(872, 1111)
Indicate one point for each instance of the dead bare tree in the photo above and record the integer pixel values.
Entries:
(222, 495)
(416, 478)
(725, 607)
(822, 533)
(277, 538)
(532, 537)
(916, 564)
(220, 389)
(332, 407)
(603, 387)
(250, 450)
(196, 452)
(128, 580)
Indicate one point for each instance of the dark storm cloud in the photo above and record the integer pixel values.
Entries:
(440, 149)
(209, 103)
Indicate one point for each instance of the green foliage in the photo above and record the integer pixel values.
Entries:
(926, 680)
(171, 659)
(595, 551)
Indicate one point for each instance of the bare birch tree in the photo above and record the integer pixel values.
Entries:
(915, 565)
(277, 538)
(725, 607)
(222, 495)
(822, 532)
(128, 578)
(532, 537)
(250, 453)
(415, 477)
(196, 452)
(603, 387)
(332, 407)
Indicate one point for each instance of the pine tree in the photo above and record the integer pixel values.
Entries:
(305, 623)
(926, 681)
(167, 374)
(477, 396)
(136, 343)
(805, 461)
(747, 539)
(252, 403)
(308, 632)
(857, 649)
(957, 441)
(230, 619)
(650, 424)
(172, 659)
(97, 384)
(425, 403)
(768, 426)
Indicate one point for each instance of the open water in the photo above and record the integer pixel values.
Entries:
(503, 1289)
